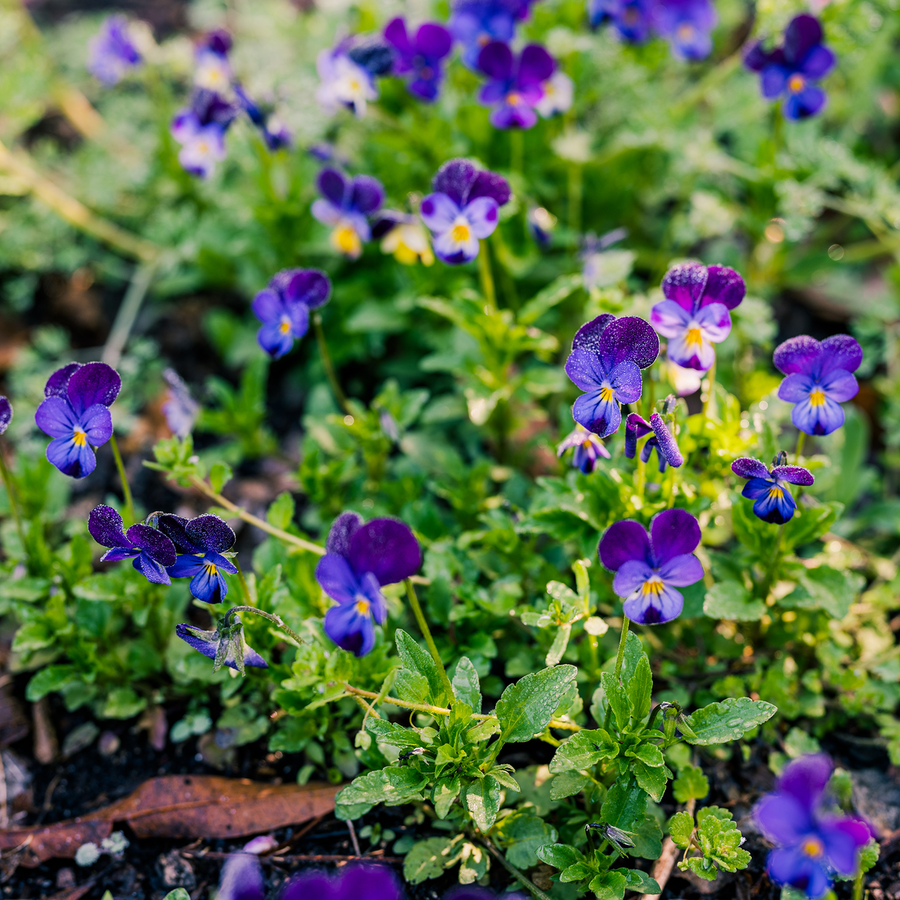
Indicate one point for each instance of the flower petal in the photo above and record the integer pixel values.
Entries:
(153, 571)
(455, 179)
(796, 387)
(154, 543)
(598, 415)
(724, 286)
(268, 306)
(341, 531)
(588, 336)
(808, 102)
(439, 211)
(655, 609)
(536, 65)
(684, 284)
(93, 383)
(681, 571)
(773, 81)
(433, 41)
(333, 185)
(805, 779)
(361, 880)
(843, 839)
(496, 61)
(625, 379)
(669, 318)
(629, 337)
(482, 215)
(782, 818)
(395, 34)
(822, 418)
(794, 475)
(666, 444)
(818, 62)
(5, 414)
(56, 418)
(366, 194)
(624, 541)
(840, 351)
(350, 629)
(800, 37)
(489, 184)
(714, 321)
(673, 532)
(97, 424)
(204, 642)
(757, 487)
(745, 467)
(56, 383)
(336, 578)
(798, 354)
(105, 526)
(187, 565)
(387, 548)
(586, 370)
(310, 287)
(74, 460)
(210, 533)
(631, 577)
(242, 877)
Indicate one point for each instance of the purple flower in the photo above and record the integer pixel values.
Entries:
(200, 543)
(792, 69)
(814, 842)
(359, 560)
(112, 52)
(76, 415)
(179, 408)
(152, 551)
(345, 205)
(200, 129)
(283, 307)
(404, 236)
(541, 223)
(242, 876)
(588, 449)
(606, 361)
(212, 71)
(275, 135)
(686, 25)
(695, 314)
(475, 23)
(463, 208)
(344, 82)
(420, 57)
(357, 881)
(819, 378)
(650, 566)
(629, 18)
(515, 85)
(227, 647)
(6, 413)
(769, 488)
(558, 94)
(663, 441)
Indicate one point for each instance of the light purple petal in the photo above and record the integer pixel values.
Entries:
(669, 318)
(326, 212)
(681, 571)
(387, 548)
(624, 541)
(773, 81)
(56, 418)
(673, 532)
(105, 526)
(482, 216)
(794, 475)
(840, 385)
(823, 418)
(438, 212)
(242, 877)
(267, 306)
(625, 380)
(782, 818)
(596, 413)
(714, 321)
(97, 424)
(843, 839)
(655, 609)
(691, 350)
(684, 284)
(745, 467)
(337, 579)
(630, 577)
(796, 387)
(818, 63)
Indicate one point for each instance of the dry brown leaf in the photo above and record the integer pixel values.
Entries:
(62, 839)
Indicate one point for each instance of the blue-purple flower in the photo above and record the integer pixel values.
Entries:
(463, 208)
(283, 307)
(819, 378)
(695, 314)
(630, 19)
(76, 415)
(357, 881)
(226, 646)
(212, 70)
(200, 129)
(814, 842)
(686, 25)
(201, 543)
(649, 567)
(6, 414)
(420, 57)
(588, 449)
(345, 204)
(793, 69)
(475, 23)
(606, 361)
(769, 487)
(152, 552)
(180, 408)
(359, 560)
(112, 52)
(273, 133)
(347, 74)
(515, 83)
(662, 440)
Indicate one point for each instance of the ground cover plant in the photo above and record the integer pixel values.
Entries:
(475, 424)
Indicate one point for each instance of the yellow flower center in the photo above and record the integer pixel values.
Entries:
(813, 848)
(285, 326)
(79, 436)
(796, 83)
(653, 587)
(354, 84)
(685, 32)
(606, 394)
(203, 147)
(776, 491)
(513, 99)
(694, 336)
(460, 232)
(362, 605)
(346, 240)
(210, 568)
(817, 397)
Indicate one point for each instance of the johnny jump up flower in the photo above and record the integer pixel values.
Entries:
(283, 307)
(212, 69)
(201, 543)
(650, 566)
(541, 223)
(686, 25)
(76, 415)
(200, 129)
(814, 842)
(112, 52)
(404, 236)
(420, 57)
(558, 94)
(226, 646)
(769, 487)
(606, 361)
(345, 205)
(515, 85)
(793, 69)
(347, 74)
(588, 449)
(663, 441)
(150, 549)
(475, 23)
(6, 413)
(359, 560)
(819, 378)
(630, 19)
(695, 314)
(462, 209)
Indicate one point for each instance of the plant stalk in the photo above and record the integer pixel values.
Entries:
(801, 439)
(327, 364)
(426, 633)
(277, 620)
(484, 274)
(773, 566)
(620, 656)
(520, 876)
(126, 489)
(13, 505)
(709, 405)
(128, 312)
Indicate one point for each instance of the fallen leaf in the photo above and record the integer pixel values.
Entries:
(62, 839)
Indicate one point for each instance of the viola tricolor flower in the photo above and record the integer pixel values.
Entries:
(345, 205)
(404, 236)
(793, 69)
(686, 25)
(76, 415)
(475, 23)
(180, 408)
(357, 881)
(630, 19)
(695, 314)
(769, 488)
(819, 379)
(558, 94)
(151, 550)
(814, 841)
(347, 74)
(359, 560)
(226, 646)
(200, 129)
(112, 52)
(212, 70)
(283, 307)
(463, 209)
(200, 543)
(515, 84)
(588, 449)
(663, 441)
(6, 413)
(650, 566)
(420, 57)
(606, 361)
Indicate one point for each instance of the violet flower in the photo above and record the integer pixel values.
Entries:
(588, 449)
(514, 86)
(345, 205)
(284, 305)
(793, 69)
(180, 408)
(650, 566)
(151, 550)
(200, 129)
(814, 841)
(359, 560)
(226, 646)
(6, 413)
(558, 95)
(76, 415)
(356, 881)
(420, 57)
(404, 236)
(475, 23)
(212, 70)
(541, 223)
(630, 19)
(686, 25)
(819, 378)
(606, 361)
(695, 314)
(769, 488)
(201, 543)
(273, 133)
(463, 208)
(112, 53)
(663, 441)
(347, 74)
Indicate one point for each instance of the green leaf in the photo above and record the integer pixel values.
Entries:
(691, 784)
(681, 827)
(418, 661)
(177, 894)
(28, 590)
(825, 588)
(634, 652)
(443, 795)
(548, 297)
(583, 750)
(649, 754)
(49, 679)
(640, 688)
(809, 523)
(473, 863)
(427, 859)
(393, 734)
(651, 779)
(392, 786)
(466, 684)
(616, 698)
(558, 647)
(720, 842)
(219, 475)
(567, 785)
(560, 856)
(504, 776)
(281, 511)
(647, 839)
(609, 885)
(123, 703)
(522, 835)
(720, 723)
(482, 800)
(625, 804)
(641, 882)
(731, 600)
(410, 686)
(526, 707)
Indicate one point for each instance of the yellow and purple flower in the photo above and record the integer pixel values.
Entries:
(201, 544)
(770, 487)
(662, 440)
(515, 84)
(588, 449)
(152, 552)
(113, 52)
(687, 26)
(345, 204)
(283, 307)
(420, 57)
(212, 70)
(475, 23)
(347, 74)
(404, 236)
(558, 94)
(200, 129)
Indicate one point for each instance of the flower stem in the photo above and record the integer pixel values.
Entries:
(13, 505)
(774, 564)
(709, 405)
(128, 312)
(575, 195)
(426, 633)
(620, 656)
(858, 885)
(126, 489)
(520, 876)
(484, 273)
(277, 620)
(329, 366)
(245, 588)
(516, 151)
(801, 439)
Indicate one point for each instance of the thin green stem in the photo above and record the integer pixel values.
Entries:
(276, 620)
(575, 195)
(245, 588)
(126, 489)
(484, 274)
(620, 656)
(520, 876)
(858, 885)
(774, 565)
(801, 439)
(329, 366)
(13, 505)
(128, 312)
(516, 151)
(709, 404)
(426, 633)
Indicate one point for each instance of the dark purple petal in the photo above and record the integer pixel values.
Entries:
(366, 194)
(802, 34)
(536, 66)
(818, 63)
(805, 779)
(204, 642)
(426, 88)
(757, 58)
(489, 184)
(455, 179)
(629, 338)
(175, 528)
(105, 526)
(56, 383)
(793, 475)
(798, 354)
(809, 102)
(745, 467)
(350, 629)
(624, 541)
(367, 882)
(666, 443)
(309, 884)
(496, 61)
(386, 548)
(337, 578)
(242, 878)
(433, 41)
(333, 185)
(673, 532)
(774, 503)
(93, 383)
(685, 284)
(635, 428)
(840, 351)
(116, 553)
(342, 529)
(310, 287)
(588, 336)
(5, 414)
(157, 546)
(724, 286)
(395, 34)
(210, 533)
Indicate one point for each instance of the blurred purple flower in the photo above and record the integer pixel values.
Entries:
(345, 204)
(357, 881)
(200, 543)
(283, 307)
(420, 57)
(662, 440)
(200, 129)
(475, 23)
(76, 415)
(404, 236)
(212, 70)
(226, 646)
(541, 223)
(152, 551)
(273, 133)
(588, 449)
(112, 52)
(630, 19)
(6, 414)
(558, 95)
(347, 74)
(686, 25)
(179, 408)
(650, 566)
(769, 488)
(514, 86)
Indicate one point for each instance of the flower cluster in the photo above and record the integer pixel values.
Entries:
(346, 205)
(419, 57)
(112, 52)
(284, 306)
(475, 23)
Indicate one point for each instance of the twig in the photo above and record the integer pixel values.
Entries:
(520, 876)
(128, 312)
(662, 868)
(353, 839)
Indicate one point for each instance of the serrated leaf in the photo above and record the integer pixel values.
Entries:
(609, 885)
(482, 800)
(393, 734)
(410, 686)
(681, 827)
(625, 804)
(567, 785)
(427, 859)
(700, 866)
(466, 684)
(634, 651)
(616, 698)
(640, 688)
(560, 856)
(504, 776)
(558, 647)
(721, 723)
(583, 750)
(640, 882)
(649, 754)
(526, 707)
(651, 779)
(691, 784)
(522, 835)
